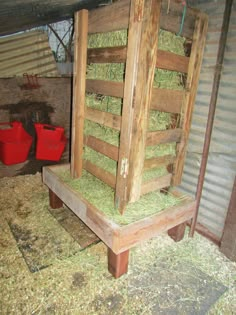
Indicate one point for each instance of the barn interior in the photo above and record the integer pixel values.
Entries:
(117, 157)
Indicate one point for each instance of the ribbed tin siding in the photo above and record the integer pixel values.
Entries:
(26, 53)
(221, 167)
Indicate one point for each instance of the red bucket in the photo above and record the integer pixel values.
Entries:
(15, 143)
(51, 142)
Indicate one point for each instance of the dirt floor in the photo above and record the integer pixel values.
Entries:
(46, 269)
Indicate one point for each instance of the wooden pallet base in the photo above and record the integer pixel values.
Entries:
(119, 239)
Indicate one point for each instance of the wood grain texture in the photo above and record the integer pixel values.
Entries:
(142, 98)
(177, 232)
(147, 228)
(165, 59)
(162, 99)
(118, 264)
(79, 82)
(133, 51)
(103, 118)
(163, 136)
(101, 146)
(116, 17)
(100, 173)
(195, 61)
(156, 184)
(158, 161)
(109, 88)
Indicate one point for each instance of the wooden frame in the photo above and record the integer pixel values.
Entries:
(118, 239)
(143, 19)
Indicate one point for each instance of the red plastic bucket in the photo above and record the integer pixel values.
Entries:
(51, 142)
(15, 143)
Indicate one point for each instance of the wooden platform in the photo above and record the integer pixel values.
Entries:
(119, 239)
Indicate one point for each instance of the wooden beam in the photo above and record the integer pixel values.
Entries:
(116, 17)
(100, 173)
(165, 59)
(163, 136)
(132, 234)
(158, 161)
(195, 61)
(171, 61)
(177, 232)
(228, 242)
(101, 146)
(156, 184)
(103, 118)
(107, 54)
(162, 99)
(133, 51)
(109, 88)
(118, 264)
(78, 108)
(54, 201)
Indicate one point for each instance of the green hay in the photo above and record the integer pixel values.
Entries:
(102, 197)
(116, 72)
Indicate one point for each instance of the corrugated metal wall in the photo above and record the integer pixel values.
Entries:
(28, 52)
(221, 167)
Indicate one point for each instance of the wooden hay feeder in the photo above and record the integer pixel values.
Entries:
(143, 19)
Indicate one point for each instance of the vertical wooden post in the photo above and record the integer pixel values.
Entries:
(228, 241)
(118, 264)
(54, 201)
(79, 83)
(195, 61)
(177, 232)
(140, 66)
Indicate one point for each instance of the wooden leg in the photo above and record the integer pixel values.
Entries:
(118, 264)
(177, 232)
(54, 200)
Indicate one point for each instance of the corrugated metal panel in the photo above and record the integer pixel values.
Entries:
(27, 53)
(221, 167)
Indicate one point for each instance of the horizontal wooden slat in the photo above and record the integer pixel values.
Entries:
(162, 99)
(165, 59)
(100, 173)
(165, 100)
(103, 147)
(103, 118)
(158, 161)
(116, 16)
(109, 88)
(156, 184)
(107, 54)
(170, 61)
(163, 136)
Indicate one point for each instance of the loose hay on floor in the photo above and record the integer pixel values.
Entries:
(80, 284)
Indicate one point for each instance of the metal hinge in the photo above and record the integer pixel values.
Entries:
(124, 167)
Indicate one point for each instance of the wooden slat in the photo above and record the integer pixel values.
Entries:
(80, 64)
(101, 146)
(103, 118)
(109, 18)
(158, 161)
(107, 55)
(170, 61)
(109, 88)
(165, 59)
(116, 17)
(165, 100)
(156, 184)
(163, 136)
(100, 173)
(199, 38)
